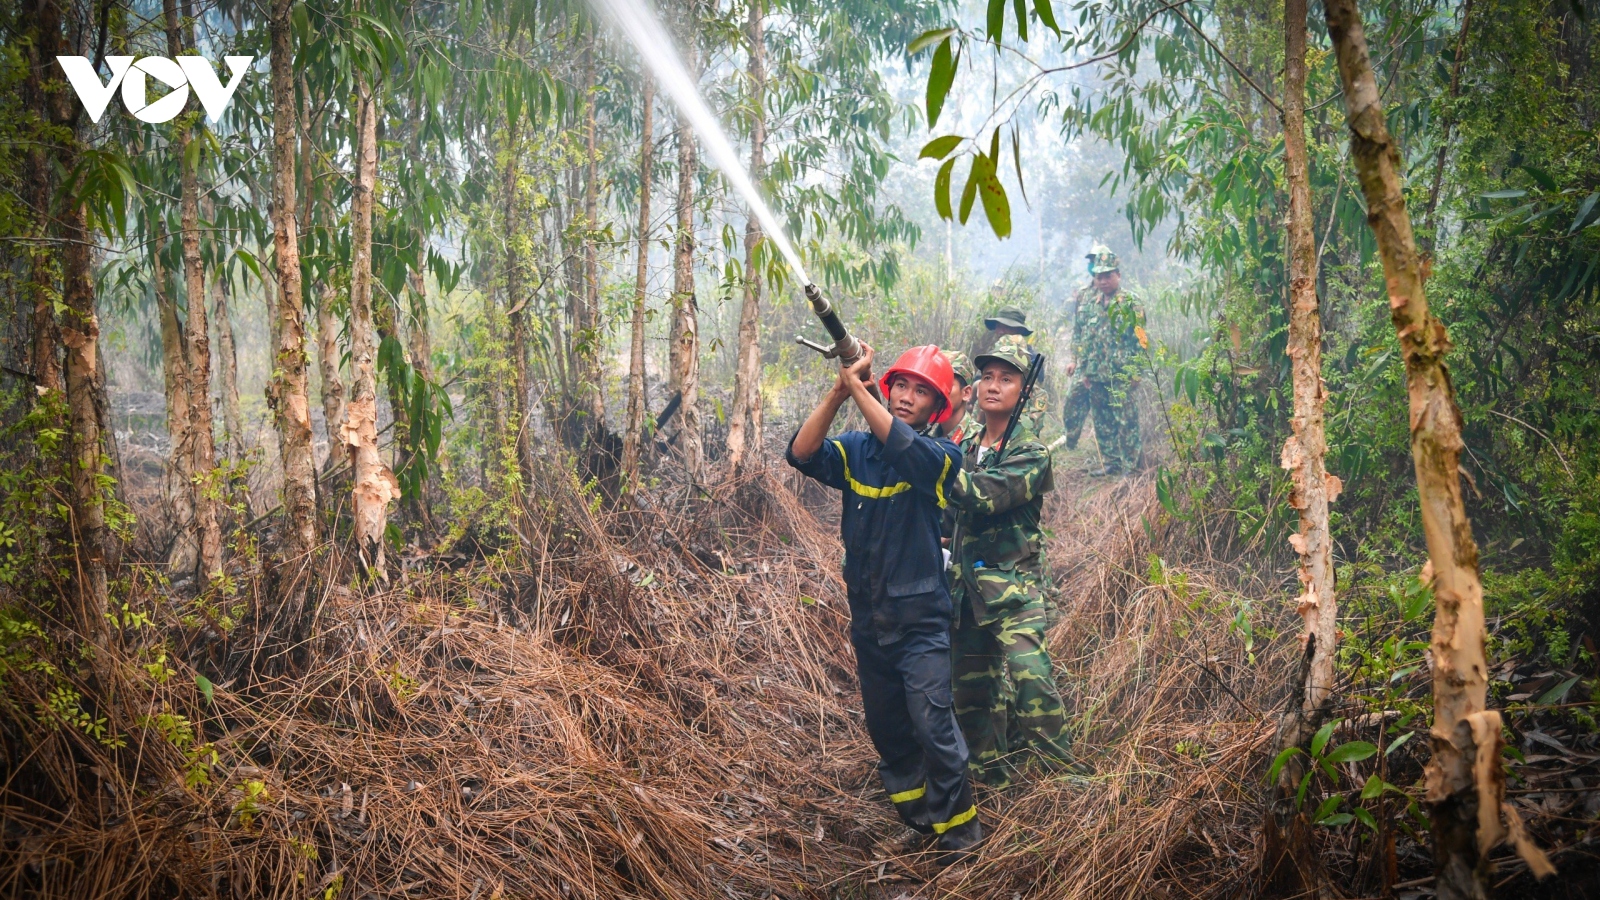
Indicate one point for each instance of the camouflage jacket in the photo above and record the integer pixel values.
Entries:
(996, 545)
(1108, 341)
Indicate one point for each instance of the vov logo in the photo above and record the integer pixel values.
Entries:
(180, 74)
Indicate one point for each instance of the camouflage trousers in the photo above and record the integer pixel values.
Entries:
(1005, 695)
(1116, 421)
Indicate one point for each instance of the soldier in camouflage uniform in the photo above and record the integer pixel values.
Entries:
(1015, 322)
(1005, 692)
(960, 422)
(1108, 345)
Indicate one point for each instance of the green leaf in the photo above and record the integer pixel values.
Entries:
(1365, 817)
(941, 189)
(207, 690)
(1327, 807)
(970, 192)
(1336, 821)
(1555, 694)
(929, 38)
(1280, 762)
(1320, 739)
(997, 19)
(1504, 195)
(995, 205)
(943, 74)
(1583, 211)
(1354, 751)
(1398, 742)
(1544, 178)
(807, 601)
(1020, 7)
(1372, 788)
(940, 147)
(1046, 15)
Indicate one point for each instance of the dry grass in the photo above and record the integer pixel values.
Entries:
(640, 704)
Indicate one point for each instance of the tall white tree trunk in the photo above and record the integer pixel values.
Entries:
(633, 431)
(375, 486)
(287, 394)
(199, 436)
(744, 427)
(1288, 861)
(685, 312)
(1465, 785)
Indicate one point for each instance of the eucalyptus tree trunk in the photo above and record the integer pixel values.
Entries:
(227, 361)
(418, 338)
(184, 552)
(744, 427)
(633, 432)
(685, 336)
(374, 485)
(200, 444)
(79, 330)
(332, 392)
(590, 379)
(287, 394)
(517, 312)
(42, 257)
(1465, 785)
(1289, 863)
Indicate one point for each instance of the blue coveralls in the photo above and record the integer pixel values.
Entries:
(900, 618)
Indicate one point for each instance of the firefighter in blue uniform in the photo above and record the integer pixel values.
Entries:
(895, 480)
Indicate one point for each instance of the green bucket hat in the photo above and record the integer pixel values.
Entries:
(1011, 349)
(1101, 259)
(1011, 317)
(960, 365)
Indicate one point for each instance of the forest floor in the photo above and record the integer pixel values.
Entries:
(659, 703)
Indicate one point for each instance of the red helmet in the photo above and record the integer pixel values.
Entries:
(928, 365)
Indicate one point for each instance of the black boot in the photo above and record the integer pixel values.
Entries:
(960, 844)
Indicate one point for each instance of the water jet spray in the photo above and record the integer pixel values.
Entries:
(638, 22)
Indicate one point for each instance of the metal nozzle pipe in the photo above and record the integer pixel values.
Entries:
(845, 345)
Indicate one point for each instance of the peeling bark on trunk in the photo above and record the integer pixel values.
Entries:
(42, 259)
(1465, 785)
(744, 426)
(633, 432)
(200, 441)
(184, 552)
(287, 394)
(685, 336)
(1289, 864)
(328, 355)
(79, 331)
(375, 486)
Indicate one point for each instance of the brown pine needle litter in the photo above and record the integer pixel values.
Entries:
(654, 703)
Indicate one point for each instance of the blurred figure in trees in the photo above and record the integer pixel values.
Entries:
(1108, 344)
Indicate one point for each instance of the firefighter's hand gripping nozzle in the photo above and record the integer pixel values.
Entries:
(846, 349)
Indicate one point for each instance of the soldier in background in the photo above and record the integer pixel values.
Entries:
(960, 422)
(1108, 345)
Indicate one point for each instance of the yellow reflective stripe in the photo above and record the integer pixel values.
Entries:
(907, 796)
(867, 490)
(939, 488)
(962, 819)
